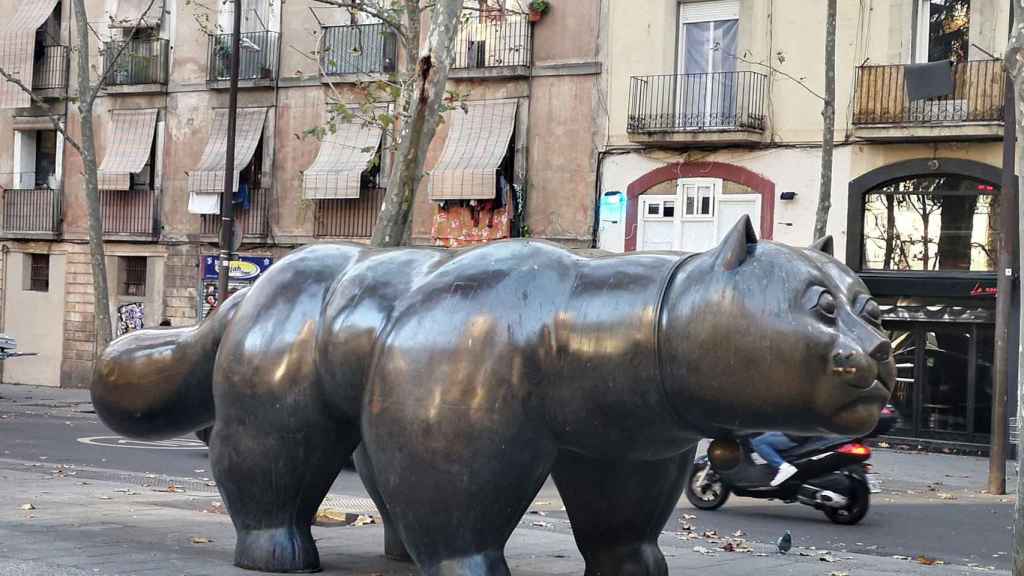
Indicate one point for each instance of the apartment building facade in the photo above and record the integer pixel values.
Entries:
(521, 161)
(718, 114)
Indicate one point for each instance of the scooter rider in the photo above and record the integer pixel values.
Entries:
(767, 446)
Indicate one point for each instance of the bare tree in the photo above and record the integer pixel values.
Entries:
(1015, 67)
(88, 91)
(828, 112)
(421, 90)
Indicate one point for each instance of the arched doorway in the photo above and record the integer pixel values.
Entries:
(924, 236)
(696, 198)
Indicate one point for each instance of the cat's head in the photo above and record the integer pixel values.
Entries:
(761, 336)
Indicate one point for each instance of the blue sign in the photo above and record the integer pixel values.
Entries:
(245, 268)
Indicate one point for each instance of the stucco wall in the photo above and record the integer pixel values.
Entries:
(35, 319)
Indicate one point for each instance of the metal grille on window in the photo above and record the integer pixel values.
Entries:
(39, 275)
(134, 283)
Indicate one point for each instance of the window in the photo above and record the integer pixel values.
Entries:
(39, 272)
(699, 199)
(46, 158)
(133, 276)
(943, 30)
(932, 223)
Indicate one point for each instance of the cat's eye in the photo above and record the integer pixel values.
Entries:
(871, 312)
(826, 304)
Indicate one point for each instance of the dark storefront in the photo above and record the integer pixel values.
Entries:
(923, 234)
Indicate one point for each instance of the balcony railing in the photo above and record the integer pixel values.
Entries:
(255, 219)
(34, 211)
(50, 68)
(492, 40)
(709, 101)
(257, 58)
(135, 62)
(128, 212)
(348, 218)
(881, 96)
(358, 49)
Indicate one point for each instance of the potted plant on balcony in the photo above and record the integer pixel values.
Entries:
(537, 9)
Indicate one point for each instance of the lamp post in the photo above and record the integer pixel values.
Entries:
(227, 206)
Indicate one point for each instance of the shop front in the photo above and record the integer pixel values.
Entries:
(924, 237)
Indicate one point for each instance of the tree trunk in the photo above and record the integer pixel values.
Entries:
(420, 115)
(828, 133)
(1015, 65)
(98, 260)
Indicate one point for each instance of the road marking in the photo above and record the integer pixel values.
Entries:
(119, 442)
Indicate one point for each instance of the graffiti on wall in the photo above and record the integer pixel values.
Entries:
(130, 317)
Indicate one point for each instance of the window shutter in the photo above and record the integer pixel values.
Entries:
(709, 10)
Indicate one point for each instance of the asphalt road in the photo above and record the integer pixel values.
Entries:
(956, 524)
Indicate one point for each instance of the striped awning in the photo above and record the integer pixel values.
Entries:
(145, 13)
(131, 141)
(341, 161)
(206, 182)
(476, 144)
(17, 45)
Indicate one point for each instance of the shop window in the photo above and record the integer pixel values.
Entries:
(943, 30)
(932, 223)
(133, 276)
(38, 272)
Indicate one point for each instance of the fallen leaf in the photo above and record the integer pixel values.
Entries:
(201, 540)
(729, 547)
(689, 517)
(105, 498)
(826, 559)
(704, 551)
(539, 524)
(898, 557)
(839, 574)
(946, 496)
(738, 533)
(28, 506)
(363, 520)
(925, 560)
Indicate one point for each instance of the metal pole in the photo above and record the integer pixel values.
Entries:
(1004, 298)
(227, 206)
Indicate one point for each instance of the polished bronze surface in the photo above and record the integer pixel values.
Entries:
(470, 376)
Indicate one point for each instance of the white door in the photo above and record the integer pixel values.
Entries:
(699, 198)
(732, 207)
(656, 222)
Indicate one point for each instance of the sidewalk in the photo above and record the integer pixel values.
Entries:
(99, 528)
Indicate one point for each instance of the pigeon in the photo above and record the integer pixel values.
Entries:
(785, 542)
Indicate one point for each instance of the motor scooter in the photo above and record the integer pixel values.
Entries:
(833, 474)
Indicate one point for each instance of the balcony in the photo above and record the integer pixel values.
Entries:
(357, 50)
(255, 220)
(129, 214)
(493, 45)
(257, 65)
(31, 213)
(50, 71)
(715, 108)
(883, 111)
(136, 65)
(348, 218)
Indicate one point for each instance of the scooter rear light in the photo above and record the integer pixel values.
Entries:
(855, 449)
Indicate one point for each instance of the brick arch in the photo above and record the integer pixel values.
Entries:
(730, 172)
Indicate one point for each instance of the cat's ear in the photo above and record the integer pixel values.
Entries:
(733, 250)
(823, 245)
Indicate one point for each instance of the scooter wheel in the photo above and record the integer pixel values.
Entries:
(704, 489)
(859, 496)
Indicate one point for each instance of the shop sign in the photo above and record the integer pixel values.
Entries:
(245, 268)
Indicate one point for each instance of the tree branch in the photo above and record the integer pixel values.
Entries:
(370, 10)
(780, 72)
(54, 118)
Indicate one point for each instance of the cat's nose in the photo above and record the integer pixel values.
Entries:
(882, 350)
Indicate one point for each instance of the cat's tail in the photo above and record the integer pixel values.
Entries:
(158, 384)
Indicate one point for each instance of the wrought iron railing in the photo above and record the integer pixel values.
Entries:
(255, 220)
(707, 101)
(133, 62)
(493, 39)
(31, 210)
(129, 212)
(978, 96)
(50, 68)
(358, 49)
(257, 57)
(349, 218)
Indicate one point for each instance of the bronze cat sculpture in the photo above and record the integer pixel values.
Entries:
(470, 376)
